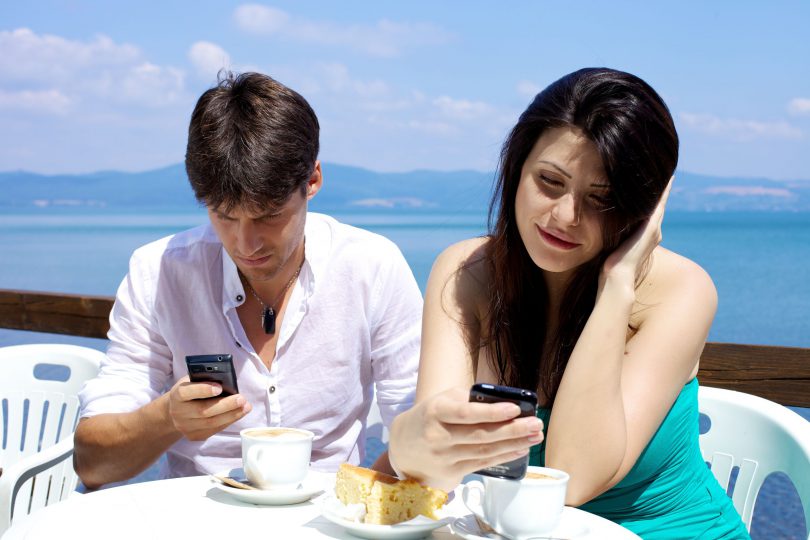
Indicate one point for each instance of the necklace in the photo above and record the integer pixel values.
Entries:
(268, 311)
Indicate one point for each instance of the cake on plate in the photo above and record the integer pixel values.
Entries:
(387, 499)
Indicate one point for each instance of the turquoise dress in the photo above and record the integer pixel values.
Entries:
(669, 492)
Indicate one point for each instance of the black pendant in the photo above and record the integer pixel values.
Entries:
(269, 320)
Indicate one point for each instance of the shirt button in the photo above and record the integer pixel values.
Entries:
(239, 297)
(272, 389)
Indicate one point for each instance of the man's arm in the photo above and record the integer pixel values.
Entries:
(117, 446)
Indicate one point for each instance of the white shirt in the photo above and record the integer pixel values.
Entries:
(352, 324)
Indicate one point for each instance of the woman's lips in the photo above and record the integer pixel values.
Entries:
(556, 241)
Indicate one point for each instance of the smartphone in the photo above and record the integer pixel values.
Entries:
(527, 401)
(213, 368)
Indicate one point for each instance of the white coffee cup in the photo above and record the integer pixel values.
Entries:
(276, 457)
(519, 509)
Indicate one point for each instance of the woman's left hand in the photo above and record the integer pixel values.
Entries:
(629, 258)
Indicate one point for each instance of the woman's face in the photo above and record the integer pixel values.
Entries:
(561, 197)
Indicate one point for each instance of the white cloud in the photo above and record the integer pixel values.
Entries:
(740, 129)
(258, 19)
(384, 38)
(462, 109)
(82, 72)
(336, 78)
(30, 57)
(208, 58)
(527, 89)
(42, 102)
(799, 106)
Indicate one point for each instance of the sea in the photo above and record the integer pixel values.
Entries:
(758, 260)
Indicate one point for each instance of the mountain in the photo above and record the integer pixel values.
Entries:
(353, 189)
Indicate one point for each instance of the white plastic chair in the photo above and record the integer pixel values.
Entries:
(760, 437)
(40, 409)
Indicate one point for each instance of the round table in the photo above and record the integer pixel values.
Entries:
(195, 507)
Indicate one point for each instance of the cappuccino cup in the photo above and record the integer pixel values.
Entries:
(276, 457)
(519, 509)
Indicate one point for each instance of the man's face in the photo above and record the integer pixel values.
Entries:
(261, 241)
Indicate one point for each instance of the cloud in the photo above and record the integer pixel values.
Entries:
(462, 109)
(336, 78)
(29, 57)
(258, 19)
(383, 39)
(527, 89)
(41, 102)
(208, 58)
(799, 106)
(742, 130)
(751, 191)
(84, 71)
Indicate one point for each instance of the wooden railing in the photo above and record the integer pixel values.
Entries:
(780, 374)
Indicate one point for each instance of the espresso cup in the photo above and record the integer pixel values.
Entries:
(519, 509)
(276, 457)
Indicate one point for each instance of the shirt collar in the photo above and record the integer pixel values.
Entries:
(316, 255)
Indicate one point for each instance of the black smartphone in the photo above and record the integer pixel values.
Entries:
(527, 401)
(213, 368)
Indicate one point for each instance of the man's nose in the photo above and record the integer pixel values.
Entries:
(567, 209)
(248, 239)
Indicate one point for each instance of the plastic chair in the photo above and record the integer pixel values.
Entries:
(40, 409)
(758, 436)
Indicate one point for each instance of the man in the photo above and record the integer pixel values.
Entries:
(315, 313)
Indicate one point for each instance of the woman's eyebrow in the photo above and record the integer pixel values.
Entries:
(563, 171)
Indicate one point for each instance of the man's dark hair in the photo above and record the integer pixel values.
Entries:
(251, 141)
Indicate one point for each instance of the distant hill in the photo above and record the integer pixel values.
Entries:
(353, 189)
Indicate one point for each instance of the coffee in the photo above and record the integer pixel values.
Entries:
(531, 475)
(276, 433)
(276, 457)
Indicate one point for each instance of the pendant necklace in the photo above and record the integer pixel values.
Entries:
(268, 311)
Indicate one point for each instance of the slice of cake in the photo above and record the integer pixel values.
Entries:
(387, 500)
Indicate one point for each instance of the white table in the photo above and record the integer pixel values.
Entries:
(193, 508)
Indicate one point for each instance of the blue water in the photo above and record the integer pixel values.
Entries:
(758, 262)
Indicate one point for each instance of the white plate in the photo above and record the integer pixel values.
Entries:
(569, 528)
(419, 527)
(313, 484)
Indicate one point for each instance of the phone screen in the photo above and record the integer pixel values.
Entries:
(527, 401)
(213, 368)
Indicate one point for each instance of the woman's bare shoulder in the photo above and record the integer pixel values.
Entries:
(673, 277)
(460, 275)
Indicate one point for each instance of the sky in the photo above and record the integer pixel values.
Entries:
(90, 85)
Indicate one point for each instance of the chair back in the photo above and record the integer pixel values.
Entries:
(758, 436)
(40, 410)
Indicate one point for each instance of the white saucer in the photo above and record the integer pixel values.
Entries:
(312, 485)
(569, 528)
(419, 527)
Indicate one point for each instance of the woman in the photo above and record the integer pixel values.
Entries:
(570, 295)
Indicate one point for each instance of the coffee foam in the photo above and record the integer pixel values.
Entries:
(277, 434)
(539, 476)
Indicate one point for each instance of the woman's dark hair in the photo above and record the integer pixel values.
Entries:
(251, 141)
(637, 142)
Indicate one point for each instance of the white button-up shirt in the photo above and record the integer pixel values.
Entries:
(352, 324)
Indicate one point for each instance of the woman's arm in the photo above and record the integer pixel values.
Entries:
(615, 393)
(444, 436)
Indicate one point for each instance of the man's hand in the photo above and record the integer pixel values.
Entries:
(197, 418)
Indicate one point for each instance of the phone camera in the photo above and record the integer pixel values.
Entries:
(479, 398)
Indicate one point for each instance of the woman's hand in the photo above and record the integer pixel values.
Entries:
(446, 437)
(630, 257)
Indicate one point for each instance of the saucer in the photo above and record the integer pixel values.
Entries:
(419, 527)
(312, 485)
(569, 528)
